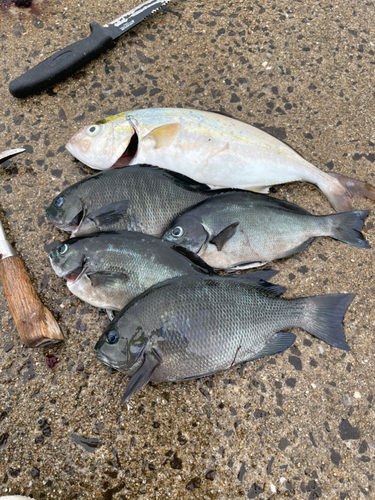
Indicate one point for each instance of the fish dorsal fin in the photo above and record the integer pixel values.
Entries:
(139, 379)
(109, 214)
(264, 274)
(257, 279)
(225, 235)
(196, 261)
(179, 179)
(267, 201)
(291, 207)
(164, 135)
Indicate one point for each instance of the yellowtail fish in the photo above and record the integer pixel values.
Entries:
(208, 147)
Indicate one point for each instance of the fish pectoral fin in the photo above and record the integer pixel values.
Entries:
(108, 279)
(163, 135)
(258, 279)
(196, 262)
(109, 214)
(225, 235)
(139, 379)
(278, 343)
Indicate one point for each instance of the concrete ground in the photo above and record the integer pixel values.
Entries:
(296, 425)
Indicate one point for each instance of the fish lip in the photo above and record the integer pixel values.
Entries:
(103, 359)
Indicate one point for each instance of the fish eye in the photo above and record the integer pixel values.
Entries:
(112, 337)
(63, 249)
(93, 130)
(59, 201)
(177, 232)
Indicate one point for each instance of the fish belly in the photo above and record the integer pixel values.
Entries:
(98, 296)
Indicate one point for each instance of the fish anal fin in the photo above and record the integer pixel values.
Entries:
(139, 379)
(244, 266)
(298, 248)
(258, 189)
(225, 235)
(278, 343)
(164, 135)
(109, 214)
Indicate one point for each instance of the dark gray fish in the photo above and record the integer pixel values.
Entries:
(137, 198)
(193, 326)
(241, 230)
(109, 269)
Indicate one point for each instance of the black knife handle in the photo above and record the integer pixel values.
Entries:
(63, 63)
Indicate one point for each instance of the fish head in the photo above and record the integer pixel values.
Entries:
(108, 143)
(68, 260)
(66, 211)
(123, 343)
(187, 231)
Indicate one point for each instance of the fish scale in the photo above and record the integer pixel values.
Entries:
(218, 150)
(118, 266)
(243, 229)
(155, 198)
(193, 326)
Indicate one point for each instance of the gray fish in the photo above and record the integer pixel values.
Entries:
(242, 230)
(193, 326)
(137, 198)
(109, 269)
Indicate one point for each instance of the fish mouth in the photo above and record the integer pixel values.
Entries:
(72, 226)
(77, 273)
(103, 359)
(130, 152)
(121, 367)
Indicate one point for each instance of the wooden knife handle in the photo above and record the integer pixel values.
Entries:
(35, 324)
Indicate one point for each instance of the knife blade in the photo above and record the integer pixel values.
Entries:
(67, 61)
(6, 155)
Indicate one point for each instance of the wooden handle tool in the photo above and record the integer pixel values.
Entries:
(34, 322)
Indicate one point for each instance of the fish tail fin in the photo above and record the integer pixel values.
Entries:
(347, 227)
(323, 317)
(341, 190)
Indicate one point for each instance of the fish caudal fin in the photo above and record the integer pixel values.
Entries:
(342, 190)
(347, 227)
(323, 317)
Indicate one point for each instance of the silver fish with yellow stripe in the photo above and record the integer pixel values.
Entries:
(211, 148)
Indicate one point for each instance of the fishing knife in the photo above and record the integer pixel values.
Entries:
(67, 61)
(35, 324)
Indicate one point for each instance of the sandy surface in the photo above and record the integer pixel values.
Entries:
(298, 424)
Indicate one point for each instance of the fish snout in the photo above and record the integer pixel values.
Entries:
(77, 142)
